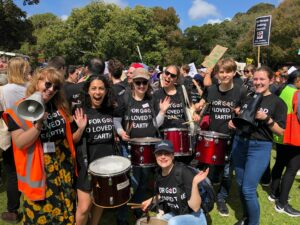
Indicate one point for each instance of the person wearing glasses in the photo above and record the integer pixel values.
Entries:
(44, 153)
(248, 77)
(136, 119)
(180, 202)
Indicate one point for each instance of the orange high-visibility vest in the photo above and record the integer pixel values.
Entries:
(30, 161)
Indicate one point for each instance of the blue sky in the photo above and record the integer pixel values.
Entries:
(190, 12)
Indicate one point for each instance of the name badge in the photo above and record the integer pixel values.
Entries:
(49, 147)
(145, 105)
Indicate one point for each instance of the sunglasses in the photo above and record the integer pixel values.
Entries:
(170, 74)
(139, 83)
(48, 85)
(246, 71)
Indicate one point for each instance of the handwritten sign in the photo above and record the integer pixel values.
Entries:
(214, 56)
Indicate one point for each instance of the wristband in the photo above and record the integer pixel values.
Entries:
(271, 124)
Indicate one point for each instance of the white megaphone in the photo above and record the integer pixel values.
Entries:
(32, 108)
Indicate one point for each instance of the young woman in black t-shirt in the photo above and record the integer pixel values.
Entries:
(251, 152)
(181, 202)
(97, 107)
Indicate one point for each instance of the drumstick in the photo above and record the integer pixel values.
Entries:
(188, 122)
(134, 204)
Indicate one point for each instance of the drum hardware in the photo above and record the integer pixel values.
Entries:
(198, 154)
(216, 141)
(110, 181)
(111, 200)
(206, 144)
(141, 149)
(190, 148)
(142, 159)
(228, 142)
(226, 158)
(214, 158)
(97, 185)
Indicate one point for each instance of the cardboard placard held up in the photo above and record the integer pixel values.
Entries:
(211, 60)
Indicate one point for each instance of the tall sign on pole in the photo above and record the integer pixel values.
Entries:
(262, 33)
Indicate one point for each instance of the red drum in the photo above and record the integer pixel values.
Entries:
(181, 139)
(211, 147)
(152, 221)
(110, 181)
(142, 151)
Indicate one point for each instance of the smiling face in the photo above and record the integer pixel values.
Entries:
(170, 77)
(261, 82)
(97, 92)
(47, 88)
(164, 159)
(140, 86)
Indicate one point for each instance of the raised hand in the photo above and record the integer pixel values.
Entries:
(80, 118)
(164, 104)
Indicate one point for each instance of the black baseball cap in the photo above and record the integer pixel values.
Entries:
(164, 145)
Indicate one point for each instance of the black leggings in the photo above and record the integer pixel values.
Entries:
(287, 156)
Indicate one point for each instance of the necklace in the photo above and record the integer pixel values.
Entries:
(224, 89)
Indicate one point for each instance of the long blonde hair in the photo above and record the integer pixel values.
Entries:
(18, 70)
(55, 77)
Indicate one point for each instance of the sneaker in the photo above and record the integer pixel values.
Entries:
(298, 173)
(10, 217)
(287, 209)
(265, 183)
(272, 197)
(222, 208)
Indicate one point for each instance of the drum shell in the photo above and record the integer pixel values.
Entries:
(142, 154)
(181, 140)
(152, 221)
(211, 147)
(111, 190)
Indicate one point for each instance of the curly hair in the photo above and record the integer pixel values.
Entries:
(55, 77)
(109, 101)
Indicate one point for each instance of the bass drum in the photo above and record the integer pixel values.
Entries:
(110, 181)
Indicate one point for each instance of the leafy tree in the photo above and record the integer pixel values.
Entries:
(14, 27)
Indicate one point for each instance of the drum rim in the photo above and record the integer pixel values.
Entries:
(131, 141)
(110, 207)
(111, 174)
(213, 134)
(151, 217)
(175, 129)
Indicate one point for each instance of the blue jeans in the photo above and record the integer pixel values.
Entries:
(250, 160)
(195, 218)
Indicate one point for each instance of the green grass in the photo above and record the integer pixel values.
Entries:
(268, 214)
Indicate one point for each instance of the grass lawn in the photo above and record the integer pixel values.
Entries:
(268, 214)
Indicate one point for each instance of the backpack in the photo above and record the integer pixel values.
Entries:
(206, 189)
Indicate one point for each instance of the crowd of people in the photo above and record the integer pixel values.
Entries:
(155, 118)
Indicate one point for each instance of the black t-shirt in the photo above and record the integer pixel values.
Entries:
(220, 112)
(120, 88)
(274, 107)
(72, 92)
(53, 129)
(138, 115)
(175, 115)
(174, 199)
(99, 133)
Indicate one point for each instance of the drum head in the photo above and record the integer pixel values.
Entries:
(152, 221)
(213, 134)
(109, 166)
(145, 140)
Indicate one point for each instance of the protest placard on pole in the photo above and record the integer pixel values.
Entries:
(211, 60)
(262, 33)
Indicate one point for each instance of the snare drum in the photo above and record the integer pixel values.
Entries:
(211, 147)
(181, 139)
(142, 151)
(110, 181)
(152, 221)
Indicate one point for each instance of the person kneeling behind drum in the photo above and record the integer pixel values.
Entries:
(181, 203)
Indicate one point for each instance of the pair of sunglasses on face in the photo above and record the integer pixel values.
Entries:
(48, 85)
(170, 74)
(141, 82)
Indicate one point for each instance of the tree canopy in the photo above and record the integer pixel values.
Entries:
(106, 30)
